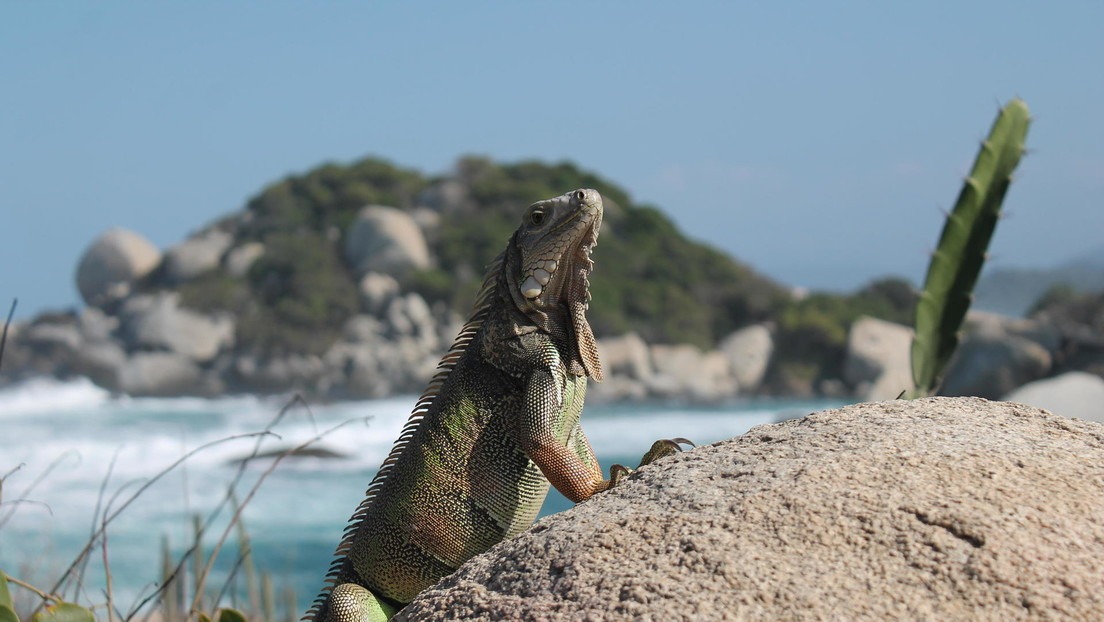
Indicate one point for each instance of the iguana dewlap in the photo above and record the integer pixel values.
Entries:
(497, 424)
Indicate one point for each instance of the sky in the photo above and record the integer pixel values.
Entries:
(818, 142)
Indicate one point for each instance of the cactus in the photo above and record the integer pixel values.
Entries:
(956, 263)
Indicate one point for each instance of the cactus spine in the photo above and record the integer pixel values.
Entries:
(956, 263)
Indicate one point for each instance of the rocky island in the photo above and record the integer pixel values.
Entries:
(350, 281)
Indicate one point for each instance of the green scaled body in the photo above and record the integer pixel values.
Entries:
(956, 263)
(497, 424)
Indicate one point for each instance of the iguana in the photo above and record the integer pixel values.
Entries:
(497, 423)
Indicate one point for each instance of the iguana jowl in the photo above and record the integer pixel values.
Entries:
(497, 424)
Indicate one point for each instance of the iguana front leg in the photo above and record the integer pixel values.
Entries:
(540, 434)
(570, 466)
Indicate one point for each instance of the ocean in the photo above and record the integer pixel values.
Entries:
(68, 449)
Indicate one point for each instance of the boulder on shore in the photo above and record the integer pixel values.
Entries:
(933, 509)
(999, 354)
(878, 362)
(387, 240)
(1073, 394)
(112, 263)
(748, 351)
(159, 322)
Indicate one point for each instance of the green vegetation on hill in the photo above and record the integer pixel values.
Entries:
(649, 277)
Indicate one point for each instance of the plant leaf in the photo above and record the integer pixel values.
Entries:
(7, 614)
(5, 594)
(957, 261)
(230, 615)
(64, 612)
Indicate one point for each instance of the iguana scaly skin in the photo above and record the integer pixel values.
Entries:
(497, 424)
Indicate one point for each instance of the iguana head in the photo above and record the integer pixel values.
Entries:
(553, 246)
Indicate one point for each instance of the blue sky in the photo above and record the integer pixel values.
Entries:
(816, 141)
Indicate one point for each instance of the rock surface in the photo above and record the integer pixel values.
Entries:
(112, 263)
(999, 354)
(387, 240)
(1073, 394)
(158, 322)
(159, 374)
(240, 259)
(877, 361)
(196, 255)
(934, 509)
(748, 351)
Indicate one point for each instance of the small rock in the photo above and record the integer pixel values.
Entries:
(410, 316)
(446, 196)
(291, 452)
(240, 259)
(295, 372)
(196, 255)
(377, 291)
(362, 329)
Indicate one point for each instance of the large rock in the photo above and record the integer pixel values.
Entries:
(158, 322)
(387, 240)
(160, 374)
(95, 325)
(748, 351)
(112, 263)
(877, 362)
(196, 255)
(934, 509)
(627, 367)
(102, 362)
(683, 371)
(1073, 394)
(993, 360)
(626, 356)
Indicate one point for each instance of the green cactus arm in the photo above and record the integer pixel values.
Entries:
(957, 261)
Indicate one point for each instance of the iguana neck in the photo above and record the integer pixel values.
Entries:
(563, 317)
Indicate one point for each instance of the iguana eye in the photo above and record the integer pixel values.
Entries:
(536, 217)
(580, 195)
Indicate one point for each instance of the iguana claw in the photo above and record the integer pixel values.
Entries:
(618, 472)
(660, 449)
(663, 448)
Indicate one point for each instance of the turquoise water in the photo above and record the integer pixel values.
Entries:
(62, 442)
